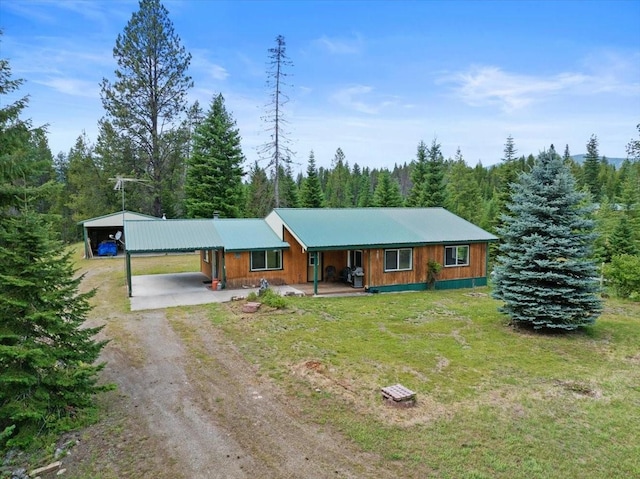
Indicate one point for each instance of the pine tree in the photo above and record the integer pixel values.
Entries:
(622, 238)
(289, 197)
(338, 191)
(434, 193)
(633, 147)
(147, 101)
(88, 193)
(387, 192)
(415, 198)
(259, 196)
(591, 168)
(47, 374)
(365, 197)
(463, 193)
(214, 173)
(544, 273)
(507, 173)
(311, 194)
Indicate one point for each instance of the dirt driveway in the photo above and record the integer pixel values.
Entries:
(188, 405)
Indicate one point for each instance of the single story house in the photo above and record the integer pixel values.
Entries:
(105, 229)
(382, 249)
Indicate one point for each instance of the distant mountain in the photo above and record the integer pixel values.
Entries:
(617, 162)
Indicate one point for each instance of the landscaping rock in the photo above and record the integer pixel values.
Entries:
(251, 307)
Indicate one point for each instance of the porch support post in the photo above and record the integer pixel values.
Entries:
(86, 245)
(128, 272)
(315, 272)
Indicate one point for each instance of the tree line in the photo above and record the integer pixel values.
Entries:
(190, 164)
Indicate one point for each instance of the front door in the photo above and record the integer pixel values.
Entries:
(310, 266)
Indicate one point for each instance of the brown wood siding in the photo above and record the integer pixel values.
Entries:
(205, 267)
(295, 260)
(376, 276)
(294, 267)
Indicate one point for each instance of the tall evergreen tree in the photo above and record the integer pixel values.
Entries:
(214, 168)
(47, 357)
(88, 192)
(147, 101)
(365, 196)
(338, 191)
(622, 238)
(544, 273)
(591, 168)
(311, 194)
(387, 192)
(289, 197)
(259, 196)
(416, 198)
(463, 193)
(507, 173)
(434, 193)
(633, 147)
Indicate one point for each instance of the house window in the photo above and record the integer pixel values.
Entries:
(398, 259)
(266, 259)
(206, 256)
(456, 255)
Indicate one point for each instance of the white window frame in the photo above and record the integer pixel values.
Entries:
(206, 256)
(266, 260)
(456, 250)
(397, 251)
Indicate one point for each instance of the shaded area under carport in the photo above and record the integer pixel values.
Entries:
(158, 291)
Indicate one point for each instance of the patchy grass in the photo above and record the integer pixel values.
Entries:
(167, 263)
(492, 402)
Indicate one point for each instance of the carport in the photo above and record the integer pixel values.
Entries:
(105, 228)
(169, 236)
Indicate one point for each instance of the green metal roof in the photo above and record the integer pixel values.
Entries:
(171, 235)
(354, 228)
(247, 235)
(114, 219)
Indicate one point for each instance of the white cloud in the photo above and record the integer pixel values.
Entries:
(341, 46)
(202, 67)
(490, 85)
(353, 98)
(71, 86)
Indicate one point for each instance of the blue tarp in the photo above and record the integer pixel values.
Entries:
(107, 248)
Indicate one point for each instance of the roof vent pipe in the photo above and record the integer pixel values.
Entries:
(216, 215)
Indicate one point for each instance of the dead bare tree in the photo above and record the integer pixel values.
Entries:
(277, 150)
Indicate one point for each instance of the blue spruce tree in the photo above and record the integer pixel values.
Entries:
(544, 272)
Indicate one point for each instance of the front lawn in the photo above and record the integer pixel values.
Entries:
(492, 402)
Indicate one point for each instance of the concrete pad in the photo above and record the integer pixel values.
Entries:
(159, 291)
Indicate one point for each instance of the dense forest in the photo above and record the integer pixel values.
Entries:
(185, 161)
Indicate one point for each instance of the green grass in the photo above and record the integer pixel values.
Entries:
(492, 401)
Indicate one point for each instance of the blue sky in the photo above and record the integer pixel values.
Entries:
(373, 78)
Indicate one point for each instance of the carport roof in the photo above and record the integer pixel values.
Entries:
(171, 235)
(200, 234)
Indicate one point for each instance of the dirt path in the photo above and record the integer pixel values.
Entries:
(188, 405)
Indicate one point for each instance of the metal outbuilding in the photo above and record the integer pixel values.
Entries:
(105, 228)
